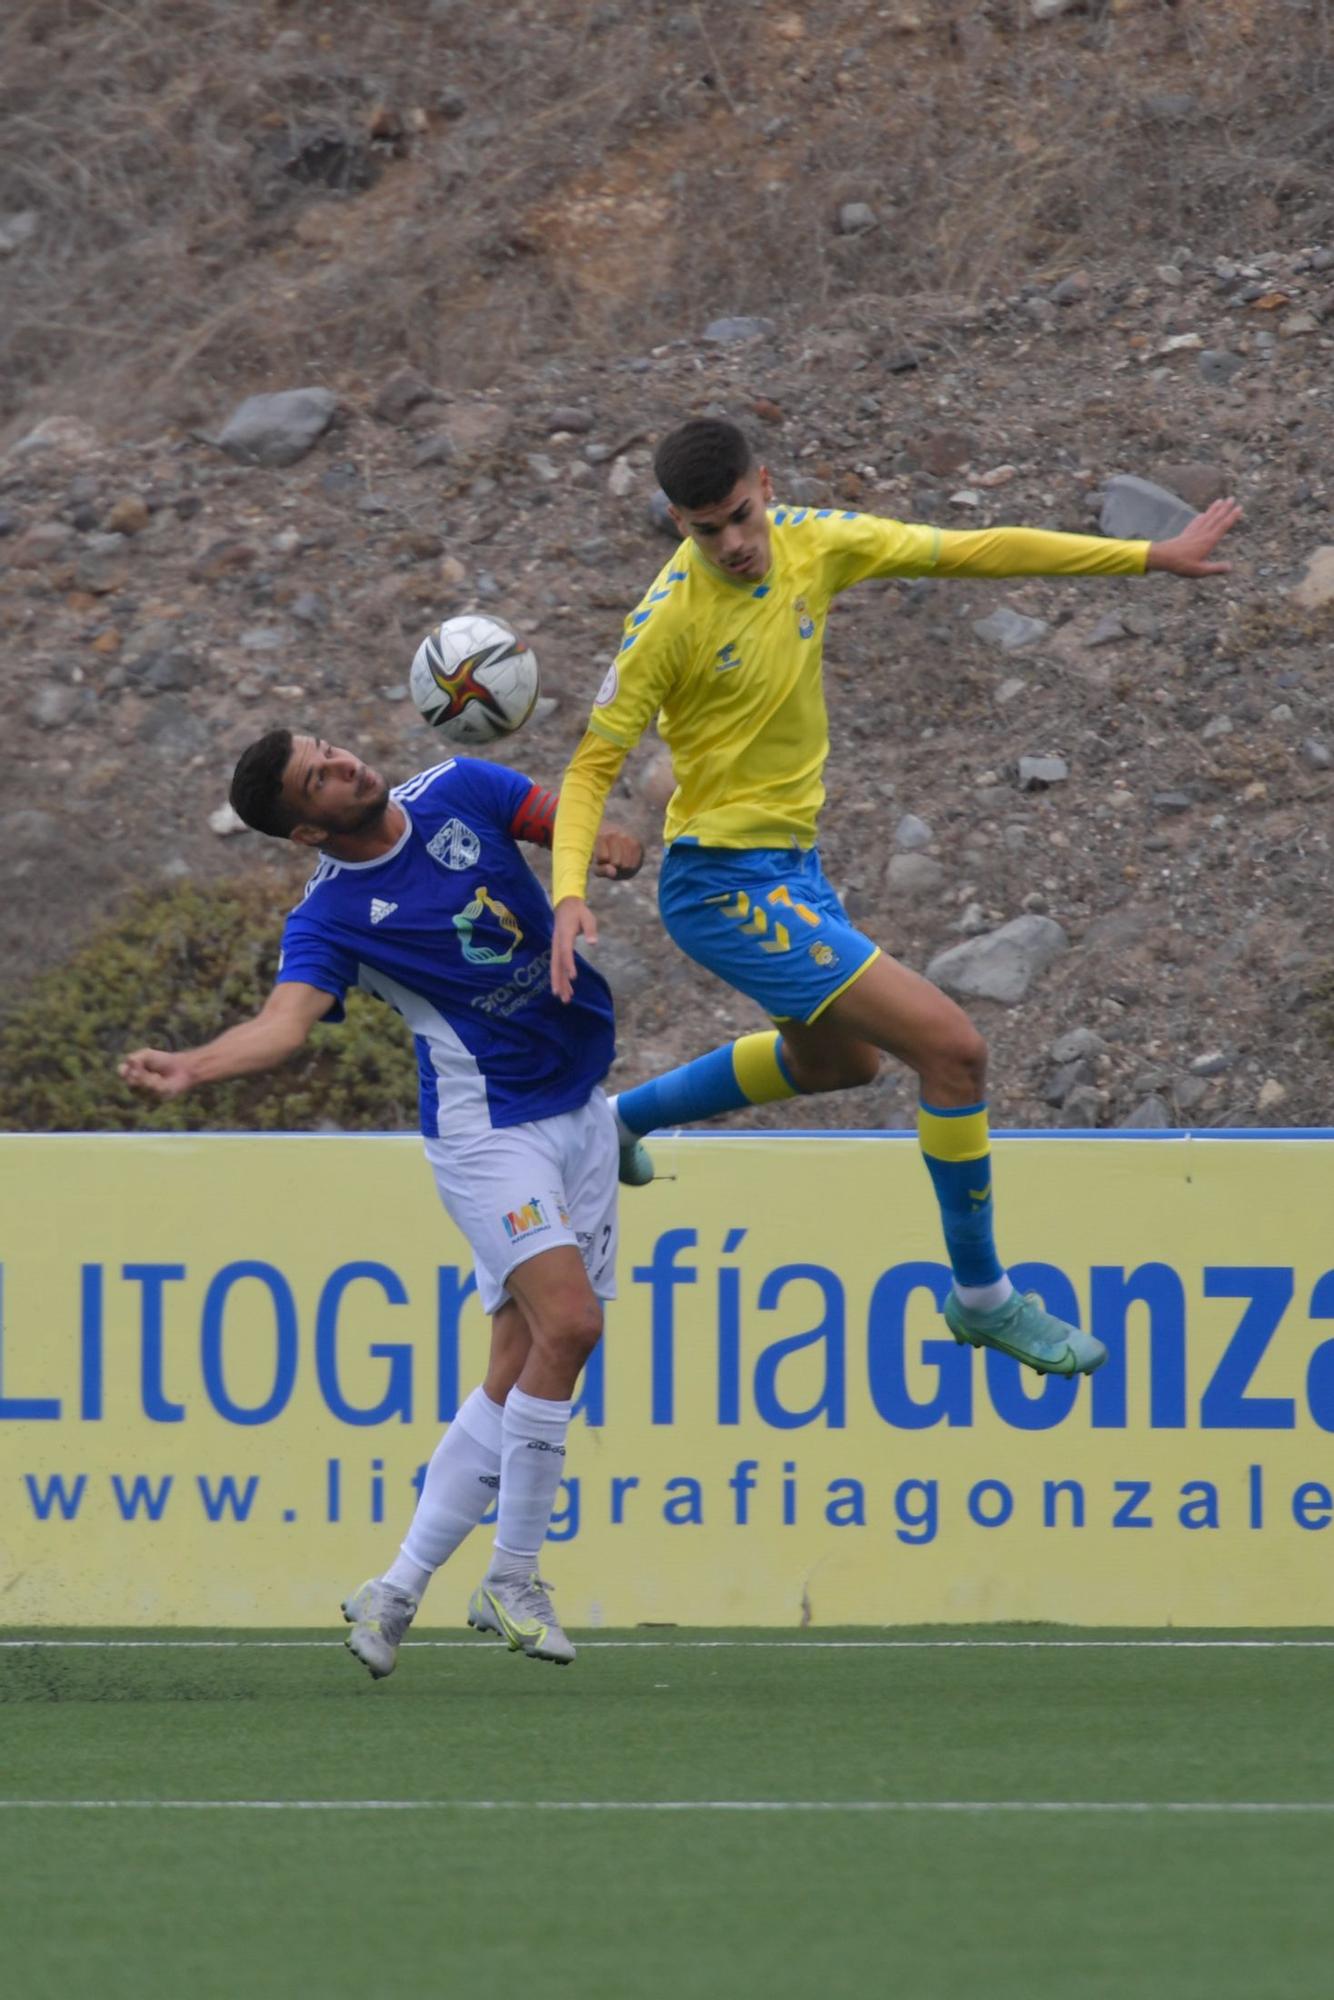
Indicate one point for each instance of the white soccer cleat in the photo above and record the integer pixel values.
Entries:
(379, 1615)
(524, 1616)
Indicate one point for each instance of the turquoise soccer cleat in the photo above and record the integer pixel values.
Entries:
(1024, 1328)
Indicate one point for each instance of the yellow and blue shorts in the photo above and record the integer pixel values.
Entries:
(765, 920)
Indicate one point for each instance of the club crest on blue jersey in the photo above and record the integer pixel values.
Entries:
(455, 846)
(805, 623)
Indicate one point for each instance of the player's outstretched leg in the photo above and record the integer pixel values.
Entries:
(748, 1071)
(894, 1009)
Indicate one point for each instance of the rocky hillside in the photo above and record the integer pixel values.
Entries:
(958, 263)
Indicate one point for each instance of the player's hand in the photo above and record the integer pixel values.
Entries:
(157, 1072)
(1186, 554)
(574, 920)
(618, 855)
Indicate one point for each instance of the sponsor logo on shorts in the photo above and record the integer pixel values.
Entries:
(824, 954)
(455, 845)
(529, 1220)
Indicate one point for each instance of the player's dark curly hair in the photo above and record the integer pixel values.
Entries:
(257, 784)
(699, 463)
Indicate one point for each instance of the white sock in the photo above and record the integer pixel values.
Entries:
(532, 1462)
(984, 1298)
(459, 1486)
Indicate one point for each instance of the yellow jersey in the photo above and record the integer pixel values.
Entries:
(731, 670)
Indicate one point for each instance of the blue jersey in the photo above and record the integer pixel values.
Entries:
(453, 930)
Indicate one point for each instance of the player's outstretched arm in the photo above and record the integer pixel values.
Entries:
(1187, 554)
(275, 1033)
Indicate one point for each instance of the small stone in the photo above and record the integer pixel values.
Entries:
(225, 822)
(544, 468)
(1281, 712)
(1219, 367)
(1272, 1094)
(1037, 773)
(1140, 622)
(1010, 629)
(278, 429)
(914, 875)
(621, 478)
(404, 392)
(1084, 1109)
(1316, 754)
(126, 516)
(45, 541)
(728, 332)
(1220, 725)
(17, 229)
(53, 706)
(660, 517)
(1076, 1043)
(565, 417)
(1297, 325)
(263, 639)
(1316, 589)
(855, 218)
(1009, 691)
(912, 833)
(435, 449)
(1151, 1114)
(1107, 631)
(1136, 510)
(1172, 802)
(1070, 290)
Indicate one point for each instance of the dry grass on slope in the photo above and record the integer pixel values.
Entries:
(228, 192)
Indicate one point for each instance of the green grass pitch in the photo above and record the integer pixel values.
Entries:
(926, 1813)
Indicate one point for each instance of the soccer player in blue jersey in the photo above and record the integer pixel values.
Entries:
(724, 651)
(421, 896)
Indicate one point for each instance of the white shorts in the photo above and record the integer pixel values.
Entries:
(522, 1189)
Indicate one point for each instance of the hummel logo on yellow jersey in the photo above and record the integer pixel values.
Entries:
(726, 658)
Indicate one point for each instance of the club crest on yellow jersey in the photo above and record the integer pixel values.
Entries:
(805, 623)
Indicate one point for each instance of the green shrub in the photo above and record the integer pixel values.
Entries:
(175, 968)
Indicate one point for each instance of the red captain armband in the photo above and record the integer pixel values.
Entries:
(536, 817)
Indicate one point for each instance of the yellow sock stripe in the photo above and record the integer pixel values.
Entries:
(755, 1066)
(954, 1138)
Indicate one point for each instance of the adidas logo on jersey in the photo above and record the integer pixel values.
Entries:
(379, 910)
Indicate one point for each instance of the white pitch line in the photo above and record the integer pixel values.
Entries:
(966, 1806)
(695, 1645)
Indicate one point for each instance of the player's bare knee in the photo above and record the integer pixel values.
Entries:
(573, 1333)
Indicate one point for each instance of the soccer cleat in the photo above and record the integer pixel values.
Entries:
(635, 1168)
(523, 1615)
(379, 1616)
(1024, 1328)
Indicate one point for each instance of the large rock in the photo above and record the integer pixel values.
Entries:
(1135, 510)
(1003, 964)
(278, 429)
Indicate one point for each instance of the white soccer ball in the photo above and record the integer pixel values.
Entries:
(473, 680)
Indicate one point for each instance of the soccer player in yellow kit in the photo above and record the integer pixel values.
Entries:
(725, 651)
